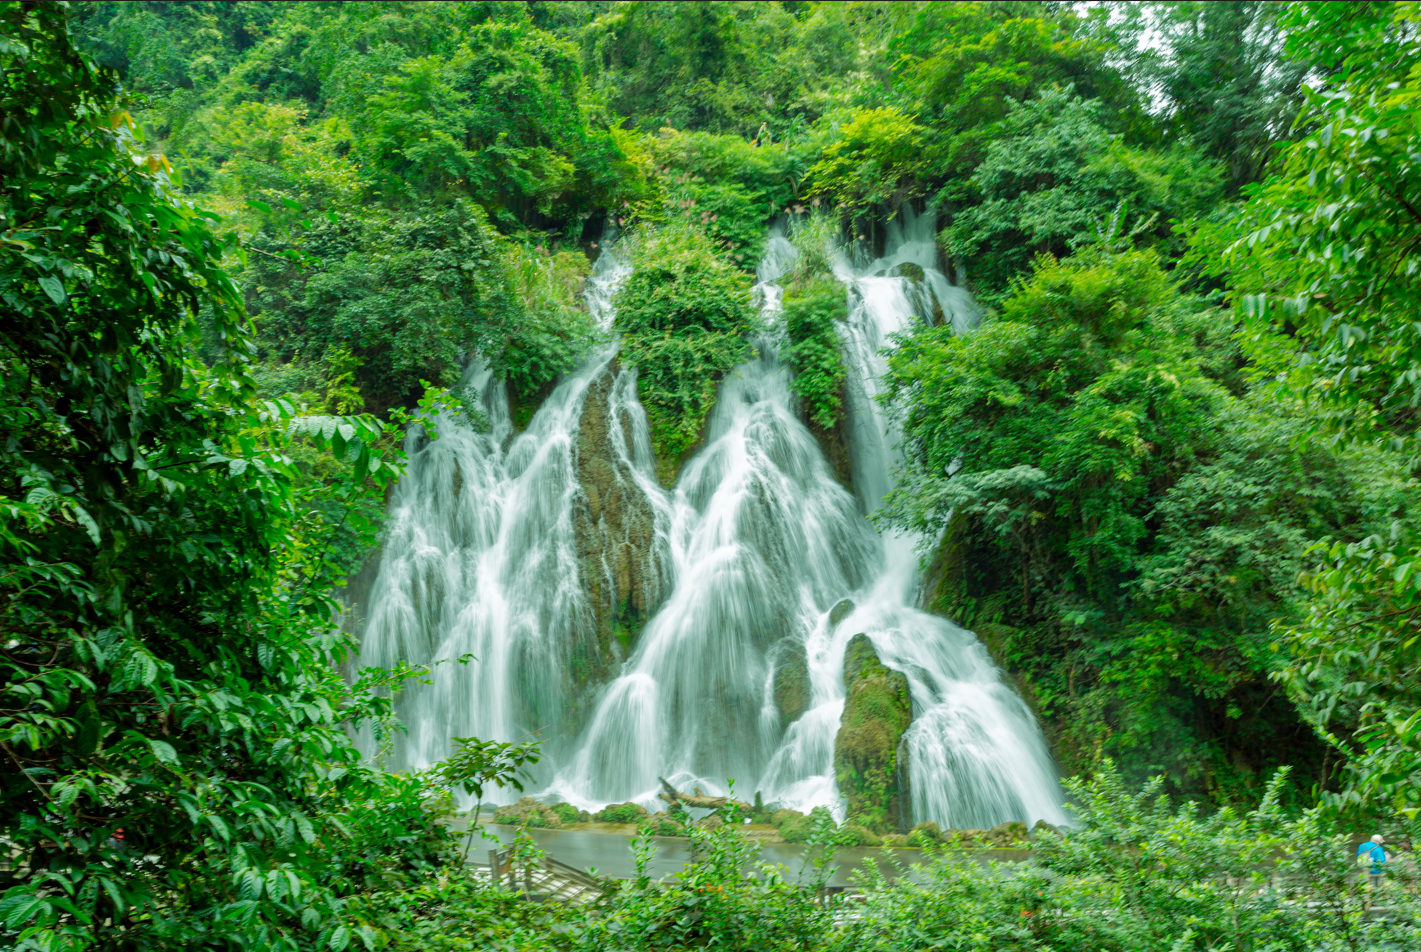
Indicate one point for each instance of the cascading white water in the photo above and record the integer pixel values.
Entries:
(976, 756)
(761, 542)
(480, 558)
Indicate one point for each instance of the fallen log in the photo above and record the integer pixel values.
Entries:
(700, 800)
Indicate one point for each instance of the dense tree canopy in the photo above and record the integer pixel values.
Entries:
(1170, 479)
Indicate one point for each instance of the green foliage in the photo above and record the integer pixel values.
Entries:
(963, 66)
(407, 294)
(552, 330)
(684, 316)
(1134, 874)
(1325, 279)
(1121, 528)
(475, 763)
(496, 116)
(568, 813)
(726, 185)
(1357, 668)
(711, 902)
(1077, 379)
(167, 680)
(758, 70)
(620, 813)
(380, 138)
(1130, 512)
(811, 316)
(1047, 181)
(1329, 249)
(1220, 71)
(458, 912)
(876, 159)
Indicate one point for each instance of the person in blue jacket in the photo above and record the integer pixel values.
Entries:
(1372, 856)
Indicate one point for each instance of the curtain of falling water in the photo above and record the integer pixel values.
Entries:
(480, 558)
(762, 542)
(765, 542)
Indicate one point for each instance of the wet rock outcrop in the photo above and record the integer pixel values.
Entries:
(615, 531)
(790, 685)
(870, 759)
(835, 441)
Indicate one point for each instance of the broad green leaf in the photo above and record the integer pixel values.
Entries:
(54, 288)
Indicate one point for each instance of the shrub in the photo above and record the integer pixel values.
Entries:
(685, 319)
(800, 828)
(811, 316)
(926, 832)
(621, 813)
(780, 817)
(568, 813)
(663, 826)
(1135, 874)
(528, 812)
(856, 834)
(553, 329)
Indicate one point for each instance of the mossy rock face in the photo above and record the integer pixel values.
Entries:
(791, 682)
(619, 563)
(841, 611)
(869, 758)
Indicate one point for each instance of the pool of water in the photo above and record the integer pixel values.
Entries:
(609, 854)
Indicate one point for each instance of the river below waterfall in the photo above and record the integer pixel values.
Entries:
(746, 557)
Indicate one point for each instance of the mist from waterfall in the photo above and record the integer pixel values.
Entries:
(761, 543)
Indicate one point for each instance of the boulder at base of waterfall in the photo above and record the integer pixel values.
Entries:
(854, 834)
(791, 682)
(795, 827)
(869, 760)
(570, 814)
(841, 611)
(528, 812)
(1004, 836)
(926, 832)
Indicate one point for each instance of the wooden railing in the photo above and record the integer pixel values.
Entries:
(552, 878)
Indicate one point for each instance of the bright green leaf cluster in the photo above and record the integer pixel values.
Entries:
(685, 318)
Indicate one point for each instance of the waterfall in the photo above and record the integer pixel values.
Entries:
(481, 558)
(754, 547)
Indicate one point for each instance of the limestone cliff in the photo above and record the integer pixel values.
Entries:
(870, 760)
(619, 563)
(834, 442)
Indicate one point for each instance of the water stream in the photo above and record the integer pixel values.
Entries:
(759, 543)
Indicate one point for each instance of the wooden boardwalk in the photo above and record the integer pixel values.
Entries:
(548, 880)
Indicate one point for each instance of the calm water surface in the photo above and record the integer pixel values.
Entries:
(610, 854)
